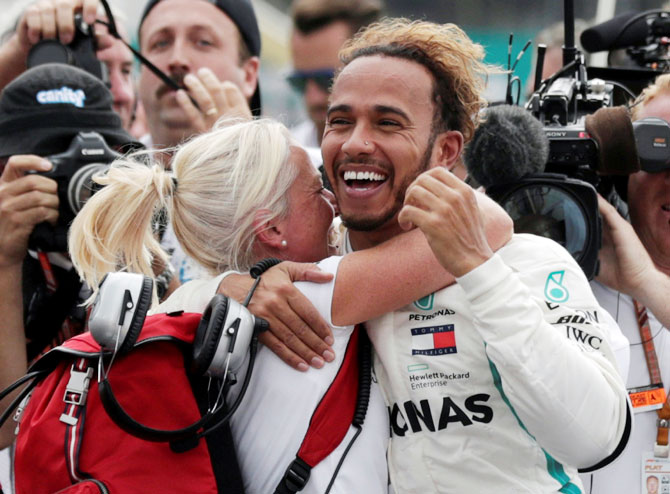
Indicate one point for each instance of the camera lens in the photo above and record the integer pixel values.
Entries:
(558, 207)
(550, 212)
(81, 186)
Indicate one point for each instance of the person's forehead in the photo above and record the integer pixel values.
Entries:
(383, 80)
(185, 14)
(302, 162)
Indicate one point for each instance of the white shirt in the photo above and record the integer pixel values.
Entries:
(624, 475)
(274, 415)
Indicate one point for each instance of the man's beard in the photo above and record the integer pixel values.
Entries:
(371, 224)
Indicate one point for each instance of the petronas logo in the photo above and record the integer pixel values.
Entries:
(425, 303)
(554, 290)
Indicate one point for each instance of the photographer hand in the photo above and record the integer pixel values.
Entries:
(44, 19)
(25, 201)
(446, 210)
(624, 261)
(47, 19)
(297, 334)
(626, 266)
(215, 99)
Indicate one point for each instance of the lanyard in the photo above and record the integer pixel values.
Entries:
(663, 425)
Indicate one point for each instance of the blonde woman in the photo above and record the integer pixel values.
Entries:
(238, 194)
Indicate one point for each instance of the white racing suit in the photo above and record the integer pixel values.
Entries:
(504, 382)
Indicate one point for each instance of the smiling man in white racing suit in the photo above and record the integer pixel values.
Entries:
(505, 382)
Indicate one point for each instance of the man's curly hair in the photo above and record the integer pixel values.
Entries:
(454, 60)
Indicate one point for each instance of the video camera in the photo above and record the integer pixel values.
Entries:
(73, 170)
(591, 142)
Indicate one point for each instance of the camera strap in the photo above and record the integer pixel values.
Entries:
(655, 395)
(70, 326)
(49, 276)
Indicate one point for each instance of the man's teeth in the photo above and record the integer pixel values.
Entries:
(351, 175)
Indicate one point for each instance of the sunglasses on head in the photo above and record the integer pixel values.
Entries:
(322, 78)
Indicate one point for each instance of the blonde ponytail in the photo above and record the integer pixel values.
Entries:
(114, 229)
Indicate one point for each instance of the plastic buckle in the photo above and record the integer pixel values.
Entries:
(661, 451)
(297, 475)
(77, 387)
(22, 406)
(19, 412)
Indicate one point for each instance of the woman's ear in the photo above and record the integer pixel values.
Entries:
(268, 232)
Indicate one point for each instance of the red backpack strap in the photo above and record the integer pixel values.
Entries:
(76, 391)
(330, 421)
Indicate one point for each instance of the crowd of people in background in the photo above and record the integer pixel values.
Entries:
(496, 362)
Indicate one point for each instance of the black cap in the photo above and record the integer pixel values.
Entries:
(241, 12)
(46, 106)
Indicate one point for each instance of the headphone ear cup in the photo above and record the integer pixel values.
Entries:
(208, 334)
(119, 310)
(139, 315)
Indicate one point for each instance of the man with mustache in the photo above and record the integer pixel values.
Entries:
(212, 49)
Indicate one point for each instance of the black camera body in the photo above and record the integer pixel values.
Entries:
(73, 171)
(566, 100)
(80, 52)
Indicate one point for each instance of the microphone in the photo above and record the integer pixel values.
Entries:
(609, 36)
(507, 145)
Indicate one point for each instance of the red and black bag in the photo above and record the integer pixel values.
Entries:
(169, 372)
(67, 442)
